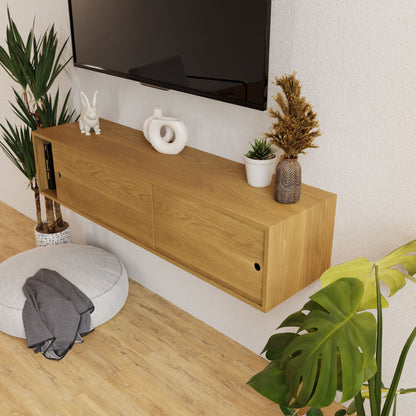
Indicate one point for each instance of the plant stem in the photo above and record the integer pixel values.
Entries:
(359, 404)
(397, 374)
(50, 217)
(35, 189)
(374, 384)
(378, 382)
(373, 396)
(395, 405)
(58, 214)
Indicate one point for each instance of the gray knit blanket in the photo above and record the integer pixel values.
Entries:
(56, 314)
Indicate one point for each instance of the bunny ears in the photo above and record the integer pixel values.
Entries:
(86, 102)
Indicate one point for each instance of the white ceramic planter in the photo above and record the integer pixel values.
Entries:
(260, 172)
(62, 237)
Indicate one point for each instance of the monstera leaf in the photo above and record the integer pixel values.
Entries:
(332, 349)
(335, 337)
(393, 269)
(270, 382)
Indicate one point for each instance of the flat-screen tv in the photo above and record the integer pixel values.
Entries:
(213, 48)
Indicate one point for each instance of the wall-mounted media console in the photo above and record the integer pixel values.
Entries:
(194, 209)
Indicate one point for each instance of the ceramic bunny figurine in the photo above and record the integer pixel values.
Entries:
(88, 119)
(175, 134)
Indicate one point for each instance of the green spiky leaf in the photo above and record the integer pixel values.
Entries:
(35, 63)
(17, 145)
(261, 150)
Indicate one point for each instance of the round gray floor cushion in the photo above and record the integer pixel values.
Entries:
(96, 272)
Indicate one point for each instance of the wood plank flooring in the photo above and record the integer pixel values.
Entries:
(152, 359)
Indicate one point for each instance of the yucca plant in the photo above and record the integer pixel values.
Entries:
(34, 64)
(336, 344)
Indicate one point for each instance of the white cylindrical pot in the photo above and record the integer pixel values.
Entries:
(260, 172)
(61, 237)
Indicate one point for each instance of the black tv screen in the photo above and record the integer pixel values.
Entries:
(214, 48)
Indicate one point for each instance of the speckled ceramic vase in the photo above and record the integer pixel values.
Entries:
(62, 237)
(287, 181)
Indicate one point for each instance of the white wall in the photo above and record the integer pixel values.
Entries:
(357, 62)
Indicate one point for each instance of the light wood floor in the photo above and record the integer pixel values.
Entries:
(152, 359)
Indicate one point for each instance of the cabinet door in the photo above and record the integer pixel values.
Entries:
(221, 248)
(113, 199)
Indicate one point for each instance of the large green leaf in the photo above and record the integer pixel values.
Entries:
(336, 337)
(331, 348)
(270, 382)
(393, 269)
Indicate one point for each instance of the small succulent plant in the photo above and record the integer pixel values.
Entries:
(261, 150)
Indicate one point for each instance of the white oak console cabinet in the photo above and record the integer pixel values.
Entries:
(194, 209)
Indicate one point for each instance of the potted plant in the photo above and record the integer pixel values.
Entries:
(34, 64)
(260, 162)
(294, 131)
(336, 345)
